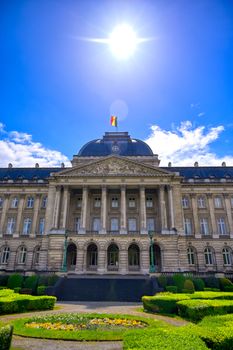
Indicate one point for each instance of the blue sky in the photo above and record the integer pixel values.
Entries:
(58, 91)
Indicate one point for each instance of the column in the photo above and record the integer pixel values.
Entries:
(212, 216)
(4, 211)
(123, 229)
(19, 216)
(229, 215)
(195, 216)
(163, 211)
(84, 211)
(66, 202)
(56, 213)
(123, 261)
(49, 213)
(171, 207)
(143, 210)
(104, 210)
(35, 216)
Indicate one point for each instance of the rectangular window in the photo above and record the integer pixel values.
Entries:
(27, 226)
(1, 202)
(10, 229)
(97, 202)
(77, 224)
(132, 224)
(188, 226)
(41, 226)
(114, 224)
(44, 202)
(14, 202)
(96, 224)
(204, 226)
(218, 202)
(185, 202)
(150, 224)
(30, 202)
(201, 203)
(149, 202)
(132, 202)
(221, 226)
(115, 202)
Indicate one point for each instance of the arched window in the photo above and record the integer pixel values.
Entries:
(208, 256)
(92, 256)
(227, 256)
(134, 256)
(5, 254)
(113, 256)
(36, 256)
(22, 255)
(191, 256)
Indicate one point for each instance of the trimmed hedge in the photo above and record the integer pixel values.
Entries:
(178, 280)
(196, 309)
(163, 303)
(167, 339)
(41, 290)
(171, 289)
(31, 282)
(199, 284)
(6, 332)
(14, 281)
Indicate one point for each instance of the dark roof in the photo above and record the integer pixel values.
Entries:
(204, 172)
(26, 173)
(115, 143)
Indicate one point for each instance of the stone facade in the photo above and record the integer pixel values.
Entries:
(98, 216)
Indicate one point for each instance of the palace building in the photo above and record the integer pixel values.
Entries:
(116, 211)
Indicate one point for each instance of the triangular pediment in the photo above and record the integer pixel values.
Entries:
(114, 166)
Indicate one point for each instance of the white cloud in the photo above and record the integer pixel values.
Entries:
(201, 114)
(186, 144)
(19, 149)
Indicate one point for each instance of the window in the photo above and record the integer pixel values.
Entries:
(30, 202)
(92, 256)
(114, 202)
(79, 202)
(97, 202)
(113, 255)
(149, 202)
(27, 226)
(218, 202)
(1, 202)
(41, 226)
(221, 226)
(36, 257)
(208, 256)
(191, 256)
(44, 202)
(10, 226)
(204, 226)
(96, 224)
(185, 202)
(14, 202)
(201, 202)
(227, 256)
(150, 224)
(5, 253)
(77, 224)
(188, 226)
(132, 224)
(114, 224)
(133, 256)
(132, 202)
(22, 255)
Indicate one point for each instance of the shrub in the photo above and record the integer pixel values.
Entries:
(52, 280)
(195, 310)
(14, 281)
(228, 288)
(199, 284)
(3, 280)
(1, 287)
(162, 281)
(189, 286)
(163, 303)
(41, 290)
(5, 336)
(211, 289)
(212, 282)
(178, 280)
(47, 280)
(31, 282)
(225, 282)
(17, 289)
(212, 295)
(171, 289)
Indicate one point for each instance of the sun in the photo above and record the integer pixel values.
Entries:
(123, 41)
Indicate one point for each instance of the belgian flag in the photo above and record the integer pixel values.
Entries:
(113, 121)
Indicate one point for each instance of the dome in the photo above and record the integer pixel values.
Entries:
(119, 143)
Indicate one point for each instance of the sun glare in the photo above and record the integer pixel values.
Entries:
(123, 41)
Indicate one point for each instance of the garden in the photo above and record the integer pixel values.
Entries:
(204, 305)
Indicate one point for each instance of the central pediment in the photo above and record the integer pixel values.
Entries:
(114, 166)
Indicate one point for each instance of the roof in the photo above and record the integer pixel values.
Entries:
(31, 174)
(119, 143)
(205, 172)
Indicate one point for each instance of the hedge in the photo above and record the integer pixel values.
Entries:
(11, 302)
(31, 282)
(196, 309)
(5, 336)
(41, 290)
(199, 284)
(163, 303)
(166, 339)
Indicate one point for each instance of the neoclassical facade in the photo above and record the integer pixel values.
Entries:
(116, 211)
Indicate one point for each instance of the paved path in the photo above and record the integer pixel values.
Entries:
(82, 307)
